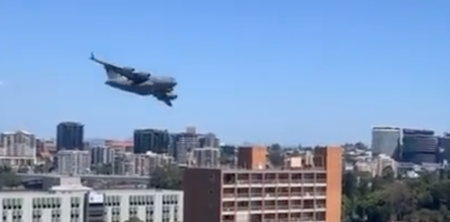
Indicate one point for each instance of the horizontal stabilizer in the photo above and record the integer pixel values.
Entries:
(168, 103)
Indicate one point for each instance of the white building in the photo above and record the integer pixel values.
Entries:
(381, 162)
(69, 203)
(17, 149)
(74, 162)
(124, 163)
(385, 140)
(184, 143)
(206, 157)
(102, 155)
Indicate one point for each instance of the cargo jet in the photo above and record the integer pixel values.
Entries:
(127, 80)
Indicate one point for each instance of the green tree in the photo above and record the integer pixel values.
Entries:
(385, 198)
(103, 169)
(46, 167)
(8, 178)
(167, 177)
(276, 156)
(349, 184)
(134, 219)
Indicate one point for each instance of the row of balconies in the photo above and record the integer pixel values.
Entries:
(297, 219)
(285, 194)
(279, 181)
(318, 207)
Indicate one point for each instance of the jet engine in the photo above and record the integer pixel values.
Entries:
(143, 74)
(128, 69)
(172, 96)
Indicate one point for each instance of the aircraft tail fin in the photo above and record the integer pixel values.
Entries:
(92, 56)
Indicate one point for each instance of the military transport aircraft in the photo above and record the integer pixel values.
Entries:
(143, 84)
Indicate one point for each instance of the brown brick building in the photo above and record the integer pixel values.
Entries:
(252, 193)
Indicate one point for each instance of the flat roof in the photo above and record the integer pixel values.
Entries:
(118, 191)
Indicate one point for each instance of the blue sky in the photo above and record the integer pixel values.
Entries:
(251, 71)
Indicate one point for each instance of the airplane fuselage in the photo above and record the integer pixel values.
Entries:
(149, 87)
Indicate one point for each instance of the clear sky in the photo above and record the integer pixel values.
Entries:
(291, 71)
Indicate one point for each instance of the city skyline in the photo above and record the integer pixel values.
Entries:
(292, 72)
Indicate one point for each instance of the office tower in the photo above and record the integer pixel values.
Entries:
(209, 140)
(74, 162)
(206, 157)
(70, 136)
(301, 193)
(102, 155)
(444, 146)
(385, 140)
(191, 130)
(17, 149)
(419, 146)
(156, 141)
(184, 143)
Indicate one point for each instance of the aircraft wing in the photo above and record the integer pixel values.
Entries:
(126, 72)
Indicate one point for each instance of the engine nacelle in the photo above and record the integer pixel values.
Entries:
(128, 69)
(143, 74)
(172, 96)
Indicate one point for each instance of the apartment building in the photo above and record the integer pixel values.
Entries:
(17, 149)
(183, 145)
(206, 157)
(74, 162)
(254, 193)
(74, 203)
(102, 155)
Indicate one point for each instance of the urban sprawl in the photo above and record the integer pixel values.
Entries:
(160, 176)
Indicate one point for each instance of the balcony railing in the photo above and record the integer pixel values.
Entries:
(272, 207)
(302, 219)
(278, 181)
(284, 194)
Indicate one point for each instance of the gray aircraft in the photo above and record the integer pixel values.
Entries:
(159, 87)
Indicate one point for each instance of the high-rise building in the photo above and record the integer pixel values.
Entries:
(191, 130)
(74, 162)
(70, 136)
(444, 146)
(419, 146)
(385, 140)
(184, 144)
(305, 193)
(17, 149)
(206, 157)
(102, 155)
(124, 163)
(156, 141)
(209, 140)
